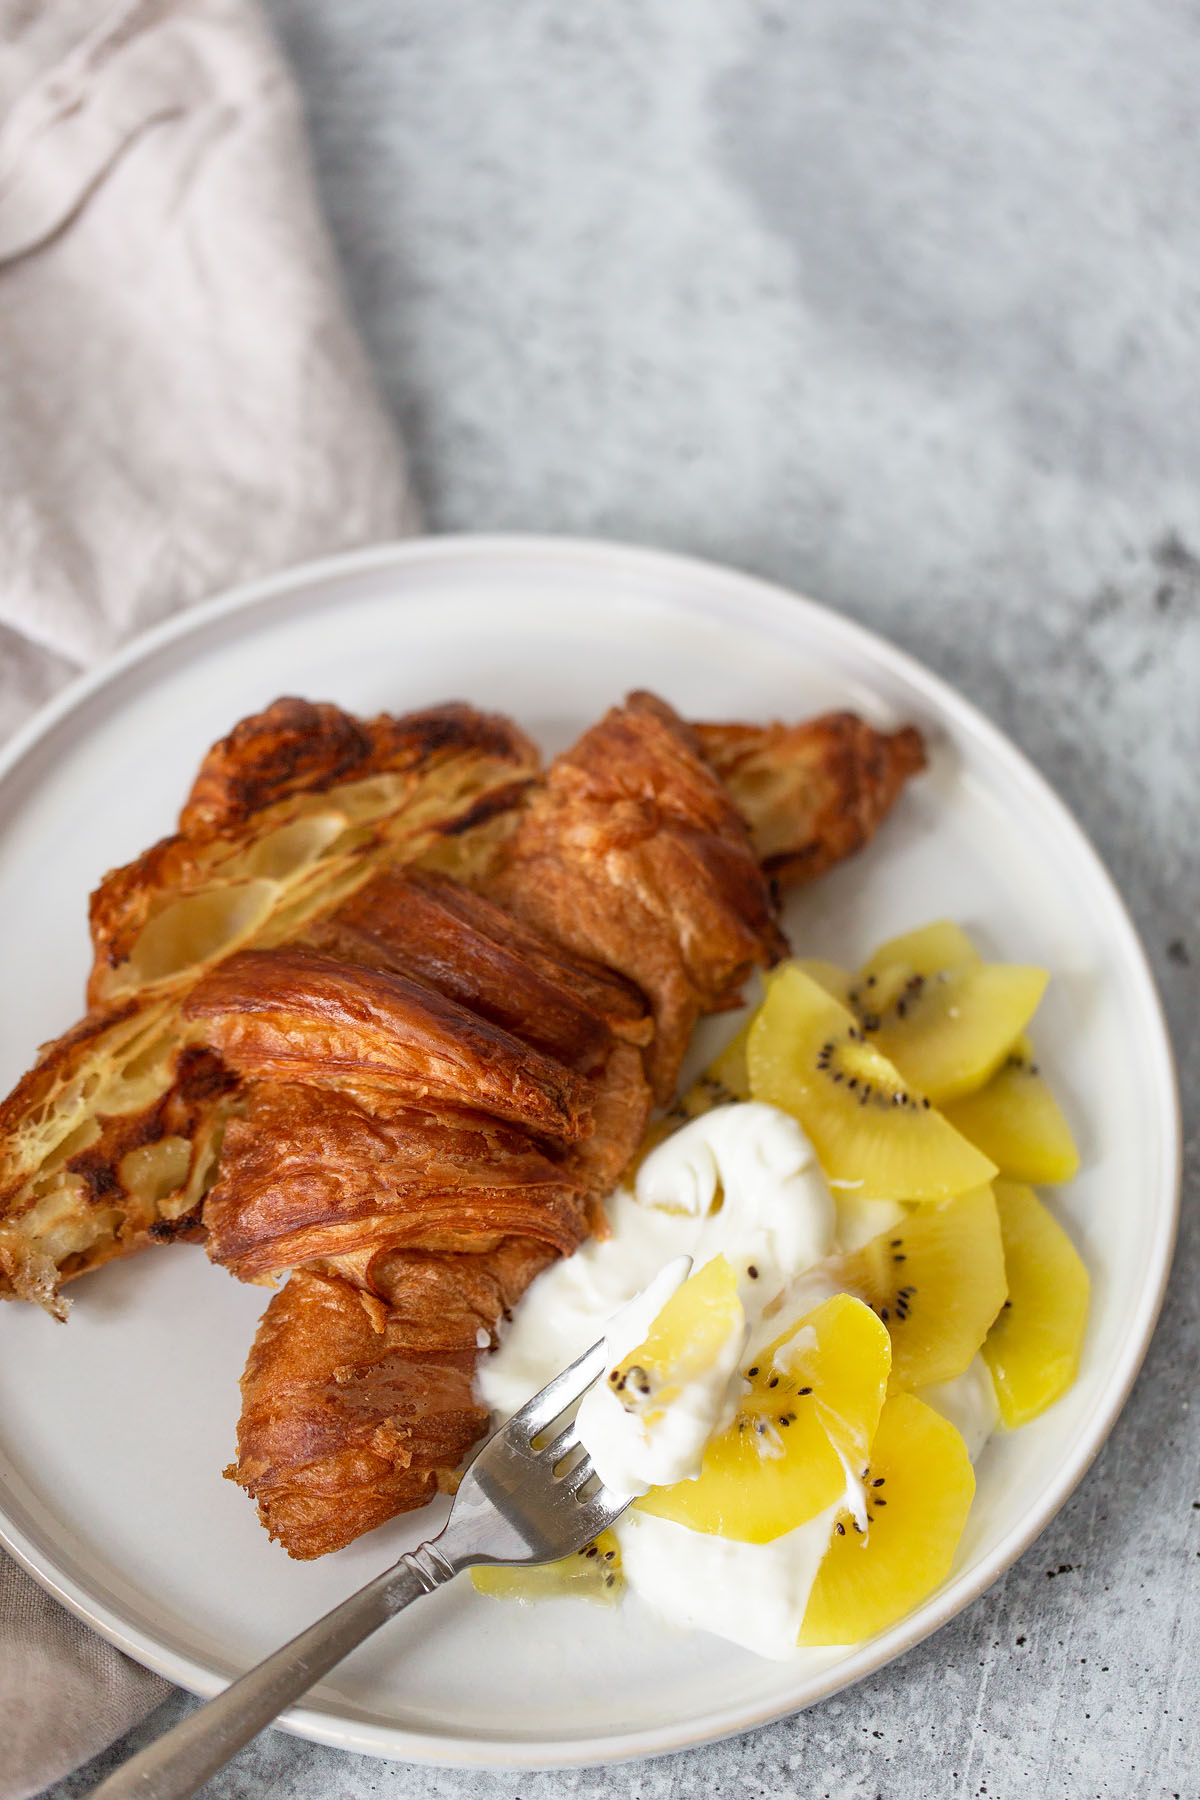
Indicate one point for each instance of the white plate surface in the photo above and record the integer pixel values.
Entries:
(114, 1429)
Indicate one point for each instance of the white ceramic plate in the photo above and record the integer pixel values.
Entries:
(114, 1429)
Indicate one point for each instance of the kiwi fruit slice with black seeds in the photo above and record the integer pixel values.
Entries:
(871, 1129)
(937, 1281)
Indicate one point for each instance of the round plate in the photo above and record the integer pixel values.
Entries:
(114, 1430)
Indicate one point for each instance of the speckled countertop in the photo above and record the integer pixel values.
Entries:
(897, 303)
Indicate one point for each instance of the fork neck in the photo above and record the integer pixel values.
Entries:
(432, 1563)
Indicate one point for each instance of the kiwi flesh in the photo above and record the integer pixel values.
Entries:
(937, 1281)
(593, 1573)
(870, 1128)
(1016, 1121)
(943, 1016)
(942, 945)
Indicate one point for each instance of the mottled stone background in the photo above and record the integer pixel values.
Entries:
(898, 302)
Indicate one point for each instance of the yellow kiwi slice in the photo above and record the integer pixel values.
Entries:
(947, 1030)
(809, 1415)
(835, 980)
(869, 1127)
(1016, 1120)
(943, 945)
(919, 1485)
(728, 1071)
(593, 1573)
(937, 1282)
(859, 1220)
(690, 1334)
(1033, 1348)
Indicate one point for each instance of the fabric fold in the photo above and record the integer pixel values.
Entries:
(184, 405)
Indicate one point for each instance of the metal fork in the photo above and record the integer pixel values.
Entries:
(521, 1501)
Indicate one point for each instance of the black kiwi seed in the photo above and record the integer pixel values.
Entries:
(866, 1089)
(840, 1529)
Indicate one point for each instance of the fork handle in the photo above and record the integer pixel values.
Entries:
(181, 1761)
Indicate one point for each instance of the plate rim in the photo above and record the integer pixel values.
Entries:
(770, 600)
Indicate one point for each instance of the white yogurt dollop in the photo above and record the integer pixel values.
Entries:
(752, 1594)
(749, 1175)
(741, 1181)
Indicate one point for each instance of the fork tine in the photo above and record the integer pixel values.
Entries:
(597, 1512)
(578, 1477)
(545, 1407)
(566, 1440)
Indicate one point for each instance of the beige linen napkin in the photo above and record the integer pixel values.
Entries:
(183, 405)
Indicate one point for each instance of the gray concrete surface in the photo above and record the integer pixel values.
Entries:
(897, 302)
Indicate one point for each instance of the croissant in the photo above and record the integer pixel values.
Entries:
(630, 854)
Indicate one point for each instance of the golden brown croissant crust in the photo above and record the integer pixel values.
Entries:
(295, 747)
(811, 794)
(295, 1015)
(310, 1174)
(342, 1425)
(281, 837)
(345, 1424)
(633, 854)
(435, 931)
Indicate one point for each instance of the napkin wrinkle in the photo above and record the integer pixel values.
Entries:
(68, 130)
(184, 405)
